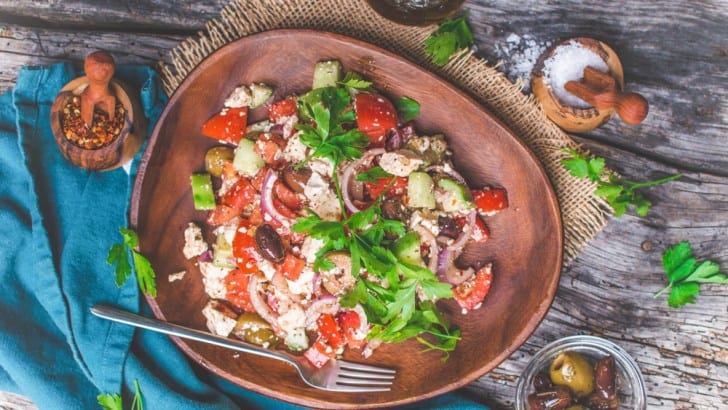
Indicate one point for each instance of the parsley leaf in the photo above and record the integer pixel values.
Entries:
(118, 255)
(114, 402)
(619, 193)
(452, 36)
(354, 81)
(407, 108)
(373, 174)
(684, 274)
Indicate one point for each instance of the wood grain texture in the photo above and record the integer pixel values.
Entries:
(674, 52)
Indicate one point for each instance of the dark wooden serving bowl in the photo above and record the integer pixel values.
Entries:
(526, 238)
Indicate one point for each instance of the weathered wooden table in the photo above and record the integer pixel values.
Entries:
(675, 53)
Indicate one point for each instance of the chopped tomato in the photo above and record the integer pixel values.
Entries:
(283, 108)
(287, 196)
(256, 217)
(470, 294)
(349, 322)
(236, 284)
(228, 170)
(375, 115)
(246, 257)
(240, 195)
(490, 200)
(329, 330)
(376, 189)
(292, 267)
(481, 233)
(258, 179)
(221, 215)
(318, 354)
(268, 150)
(228, 125)
(283, 209)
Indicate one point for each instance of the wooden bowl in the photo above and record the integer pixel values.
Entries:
(526, 243)
(121, 150)
(569, 118)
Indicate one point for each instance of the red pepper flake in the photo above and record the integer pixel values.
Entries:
(102, 132)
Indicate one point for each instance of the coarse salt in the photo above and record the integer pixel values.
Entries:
(567, 64)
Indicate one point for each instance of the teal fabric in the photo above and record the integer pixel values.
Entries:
(58, 222)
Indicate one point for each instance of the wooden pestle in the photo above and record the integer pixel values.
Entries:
(600, 90)
(99, 67)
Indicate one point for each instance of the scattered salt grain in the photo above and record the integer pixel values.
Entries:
(519, 55)
(567, 64)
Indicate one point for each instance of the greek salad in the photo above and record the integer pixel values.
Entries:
(336, 224)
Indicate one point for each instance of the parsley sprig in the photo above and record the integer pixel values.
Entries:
(685, 273)
(619, 193)
(119, 256)
(113, 401)
(393, 309)
(452, 36)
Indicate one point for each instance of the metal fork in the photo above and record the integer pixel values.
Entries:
(336, 375)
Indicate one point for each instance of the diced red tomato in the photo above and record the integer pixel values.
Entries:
(244, 248)
(228, 125)
(318, 354)
(268, 150)
(375, 189)
(236, 284)
(481, 233)
(292, 267)
(470, 294)
(375, 115)
(283, 108)
(329, 331)
(240, 195)
(221, 215)
(283, 209)
(349, 322)
(258, 179)
(490, 200)
(287, 196)
(228, 170)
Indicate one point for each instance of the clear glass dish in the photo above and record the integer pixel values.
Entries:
(630, 383)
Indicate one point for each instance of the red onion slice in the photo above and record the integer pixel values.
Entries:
(446, 269)
(260, 306)
(427, 237)
(449, 171)
(350, 172)
(266, 200)
(327, 304)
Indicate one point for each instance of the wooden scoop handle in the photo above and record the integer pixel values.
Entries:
(99, 67)
(600, 90)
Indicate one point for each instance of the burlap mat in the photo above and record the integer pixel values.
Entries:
(583, 213)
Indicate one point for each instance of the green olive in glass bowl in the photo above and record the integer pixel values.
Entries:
(619, 386)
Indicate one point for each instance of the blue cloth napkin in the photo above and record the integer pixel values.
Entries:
(58, 223)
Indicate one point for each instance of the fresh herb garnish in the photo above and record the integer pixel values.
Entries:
(113, 401)
(373, 174)
(394, 310)
(685, 273)
(448, 39)
(329, 138)
(618, 192)
(354, 81)
(118, 255)
(407, 108)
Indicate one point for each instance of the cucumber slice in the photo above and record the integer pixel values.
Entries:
(222, 253)
(420, 191)
(407, 249)
(202, 193)
(327, 74)
(247, 162)
(454, 197)
(260, 93)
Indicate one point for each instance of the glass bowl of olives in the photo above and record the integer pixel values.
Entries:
(581, 373)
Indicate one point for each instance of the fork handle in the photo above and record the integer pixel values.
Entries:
(132, 319)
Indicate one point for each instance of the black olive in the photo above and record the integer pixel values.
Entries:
(269, 244)
(392, 208)
(604, 377)
(542, 382)
(296, 179)
(394, 140)
(448, 227)
(556, 399)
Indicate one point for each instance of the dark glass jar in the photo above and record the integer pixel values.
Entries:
(416, 12)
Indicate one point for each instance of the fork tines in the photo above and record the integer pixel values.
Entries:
(357, 377)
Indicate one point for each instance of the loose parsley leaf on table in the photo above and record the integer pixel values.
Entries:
(619, 193)
(113, 401)
(452, 36)
(684, 274)
(119, 256)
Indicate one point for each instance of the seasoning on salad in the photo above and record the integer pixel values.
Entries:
(336, 225)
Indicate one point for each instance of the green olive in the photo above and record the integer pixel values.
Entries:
(215, 159)
(253, 329)
(573, 370)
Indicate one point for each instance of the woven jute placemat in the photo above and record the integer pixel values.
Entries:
(583, 213)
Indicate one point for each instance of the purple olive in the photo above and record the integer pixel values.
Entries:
(542, 382)
(555, 399)
(394, 140)
(604, 377)
(269, 244)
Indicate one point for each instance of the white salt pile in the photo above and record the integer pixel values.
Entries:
(567, 64)
(519, 55)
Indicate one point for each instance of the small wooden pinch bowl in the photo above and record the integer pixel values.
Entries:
(123, 147)
(573, 119)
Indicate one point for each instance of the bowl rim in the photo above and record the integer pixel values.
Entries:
(623, 359)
